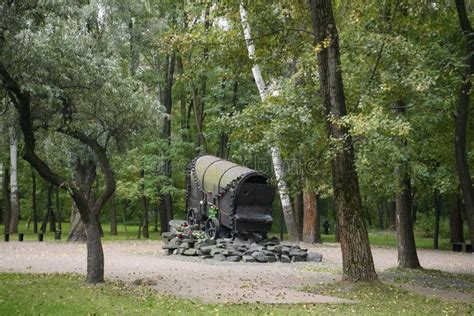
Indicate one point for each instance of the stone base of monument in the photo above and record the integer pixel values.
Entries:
(181, 241)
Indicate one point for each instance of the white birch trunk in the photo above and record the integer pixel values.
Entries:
(14, 181)
(278, 169)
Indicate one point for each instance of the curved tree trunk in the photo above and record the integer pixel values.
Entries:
(358, 264)
(462, 115)
(33, 201)
(77, 231)
(15, 202)
(277, 161)
(168, 104)
(84, 177)
(49, 210)
(437, 206)
(455, 220)
(21, 99)
(95, 253)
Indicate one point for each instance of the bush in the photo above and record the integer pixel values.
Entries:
(425, 222)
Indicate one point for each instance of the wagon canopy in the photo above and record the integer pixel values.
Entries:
(216, 175)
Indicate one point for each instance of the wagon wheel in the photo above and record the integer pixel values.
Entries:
(192, 217)
(212, 228)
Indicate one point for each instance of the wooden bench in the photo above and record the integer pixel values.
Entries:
(458, 247)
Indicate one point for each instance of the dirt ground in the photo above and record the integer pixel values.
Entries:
(208, 280)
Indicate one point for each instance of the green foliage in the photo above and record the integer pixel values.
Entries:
(212, 211)
(66, 294)
(108, 60)
(424, 225)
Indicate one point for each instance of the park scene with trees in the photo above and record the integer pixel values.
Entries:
(235, 157)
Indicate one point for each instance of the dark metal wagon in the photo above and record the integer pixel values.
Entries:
(228, 198)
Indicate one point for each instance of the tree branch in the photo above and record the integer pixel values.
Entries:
(101, 153)
(21, 100)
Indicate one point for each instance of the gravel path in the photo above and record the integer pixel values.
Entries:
(208, 280)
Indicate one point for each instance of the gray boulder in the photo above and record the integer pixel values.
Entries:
(228, 252)
(298, 258)
(298, 253)
(216, 251)
(247, 258)
(207, 249)
(206, 257)
(271, 242)
(314, 257)
(184, 245)
(190, 252)
(260, 256)
(233, 258)
(167, 236)
(219, 257)
(285, 259)
(173, 243)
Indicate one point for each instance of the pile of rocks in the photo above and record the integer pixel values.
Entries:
(236, 249)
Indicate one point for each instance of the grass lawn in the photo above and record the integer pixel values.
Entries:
(389, 239)
(376, 237)
(128, 233)
(29, 294)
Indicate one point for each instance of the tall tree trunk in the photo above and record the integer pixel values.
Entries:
(455, 219)
(14, 196)
(437, 206)
(157, 214)
(199, 93)
(298, 207)
(407, 256)
(319, 210)
(168, 104)
(163, 218)
(49, 207)
(380, 212)
(134, 53)
(311, 225)
(58, 210)
(224, 147)
(391, 214)
(461, 121)
(367, 210)
(358, 264)
(7, 210)
(413, 212)
(34, 207)
(143, 229)
(292, 228)
(113, 217)
(184, 119)
(52, 221)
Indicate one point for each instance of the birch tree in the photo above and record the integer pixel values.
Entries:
(15, 203)
(278, 166)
